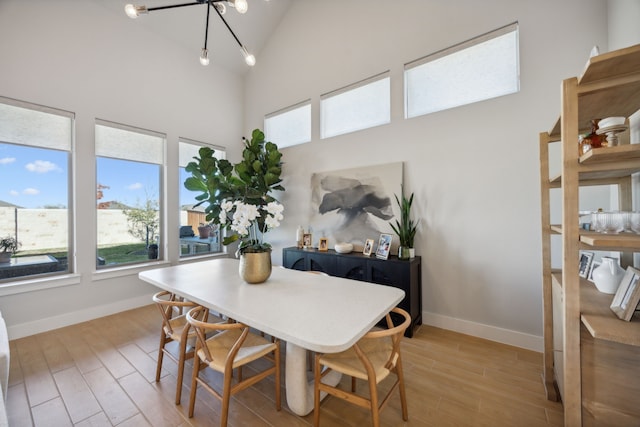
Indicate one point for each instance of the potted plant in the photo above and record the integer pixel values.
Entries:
(405, 228)
(9, 246)
(238, 197)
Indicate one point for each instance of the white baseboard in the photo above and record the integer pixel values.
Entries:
(492, 333)
(42, 325)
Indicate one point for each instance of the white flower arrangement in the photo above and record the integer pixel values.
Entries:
(251, 222)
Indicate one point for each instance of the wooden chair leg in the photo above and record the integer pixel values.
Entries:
(181, 360)
(375, 409)
(194, 384)
(316, 391)
(403, 394)
(276, 357)
(226, 398)
(163, 341)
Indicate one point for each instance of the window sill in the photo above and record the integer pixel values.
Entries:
(126, 270)
(35, 284)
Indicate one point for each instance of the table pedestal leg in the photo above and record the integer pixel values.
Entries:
(299, 388)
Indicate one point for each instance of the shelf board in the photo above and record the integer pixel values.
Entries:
(609, 86)
(613, 242)
(605, 165)
(600, 321)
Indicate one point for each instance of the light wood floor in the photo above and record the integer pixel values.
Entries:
(102, 373)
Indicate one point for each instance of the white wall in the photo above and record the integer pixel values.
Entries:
(474, 169)
(85, 57)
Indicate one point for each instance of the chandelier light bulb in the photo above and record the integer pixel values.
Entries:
(204, 57)
(248, 58)
(134, 11)
(241, 5)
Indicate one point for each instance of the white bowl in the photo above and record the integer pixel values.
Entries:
(611, 121)
(343, 248)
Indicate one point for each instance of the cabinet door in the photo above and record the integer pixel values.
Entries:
(321, 262)
(352, 268)
(294, 259)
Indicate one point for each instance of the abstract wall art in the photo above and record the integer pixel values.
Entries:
(353, 205)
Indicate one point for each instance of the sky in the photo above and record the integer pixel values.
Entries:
(37, 178)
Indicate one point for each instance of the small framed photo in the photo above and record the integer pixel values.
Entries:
(324, 244)
(384, 246)
(306, 241)
(627, 297)
(585, 264)
(368, 247)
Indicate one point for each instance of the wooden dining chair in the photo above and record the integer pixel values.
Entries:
(372, 358)
(231, 346)
(175, 328)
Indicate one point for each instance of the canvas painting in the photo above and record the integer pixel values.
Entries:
(353, 205)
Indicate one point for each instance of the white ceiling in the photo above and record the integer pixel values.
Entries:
(186, 26)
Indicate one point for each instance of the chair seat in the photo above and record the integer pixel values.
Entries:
(177, 327)
(347, 362)
(253, 348)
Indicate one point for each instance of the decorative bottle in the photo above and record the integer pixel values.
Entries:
(299, 235)
(608, 276)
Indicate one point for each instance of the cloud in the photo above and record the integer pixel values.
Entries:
(7, 160)
(13, 192)
(31, 191)
(134, 186)
(42, 166)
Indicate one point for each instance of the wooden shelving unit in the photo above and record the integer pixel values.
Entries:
(587, 348)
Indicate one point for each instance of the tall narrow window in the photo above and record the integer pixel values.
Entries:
(359, 106)
(290, 126)
(129, 184)
(482, 68)
(35, 163)
(197, 236)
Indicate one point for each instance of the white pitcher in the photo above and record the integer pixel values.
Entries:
(608, 275)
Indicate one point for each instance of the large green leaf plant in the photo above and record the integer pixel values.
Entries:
(248, 182)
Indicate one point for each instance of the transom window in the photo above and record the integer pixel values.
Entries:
(479, 69)
(358, 106)
(290, 126)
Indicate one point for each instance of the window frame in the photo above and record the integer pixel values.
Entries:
(459, 47)
(385, 75)
(162, 198)
(28, 283)
(283, 111)
(218, 149)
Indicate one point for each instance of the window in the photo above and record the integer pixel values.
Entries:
(192, 242)
(482, 68)
(35, 163)
(290, 126)
(129, 171)
(358, 106)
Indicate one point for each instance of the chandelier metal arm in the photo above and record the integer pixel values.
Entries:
(227, 25)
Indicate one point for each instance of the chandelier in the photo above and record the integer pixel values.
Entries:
(133, 11)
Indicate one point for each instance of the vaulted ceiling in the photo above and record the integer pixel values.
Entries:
(186, 27)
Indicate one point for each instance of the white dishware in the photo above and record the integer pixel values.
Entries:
(608, 275)
(343, 248)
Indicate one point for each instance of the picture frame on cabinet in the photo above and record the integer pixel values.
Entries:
(585, 261)
(368, 247)
(594, 265)
(384, 246)
(307, 241)
(323, 245)
(627, 296)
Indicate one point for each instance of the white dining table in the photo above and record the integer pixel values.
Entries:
(308, 311)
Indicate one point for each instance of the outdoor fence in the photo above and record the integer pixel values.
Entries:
(40, 229)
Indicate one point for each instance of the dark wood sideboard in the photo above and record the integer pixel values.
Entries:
(403, 274)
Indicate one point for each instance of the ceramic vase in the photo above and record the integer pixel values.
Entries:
(608, 275)
(403, 252)
(255, 267)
